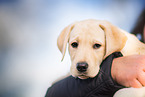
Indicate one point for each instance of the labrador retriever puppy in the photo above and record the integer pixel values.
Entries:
(91, 41)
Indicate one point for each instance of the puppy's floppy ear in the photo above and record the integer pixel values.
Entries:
(63, 39)
(115, 38)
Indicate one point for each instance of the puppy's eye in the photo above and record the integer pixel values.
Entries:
(96, 46)
(74, 44)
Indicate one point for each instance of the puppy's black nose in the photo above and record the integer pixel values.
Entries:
(82, 67)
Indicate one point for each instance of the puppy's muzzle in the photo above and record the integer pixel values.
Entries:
(82, 67)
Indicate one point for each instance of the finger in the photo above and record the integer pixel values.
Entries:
(136, 84)
(141, 78)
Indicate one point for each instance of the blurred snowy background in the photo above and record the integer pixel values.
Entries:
(29, 58)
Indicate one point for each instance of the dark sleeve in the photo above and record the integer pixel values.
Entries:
(100, 86)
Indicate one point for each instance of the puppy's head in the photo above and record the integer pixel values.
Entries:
(89, 43)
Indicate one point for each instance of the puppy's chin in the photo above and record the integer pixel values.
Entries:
(83, 77)
(86, 76)
(80, 76)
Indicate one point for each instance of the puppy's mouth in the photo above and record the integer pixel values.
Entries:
(83, 76)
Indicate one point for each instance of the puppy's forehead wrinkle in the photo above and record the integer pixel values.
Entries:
(74, 39)
(91, 32)
(87, 26)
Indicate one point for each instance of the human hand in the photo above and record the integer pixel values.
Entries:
(129, 71)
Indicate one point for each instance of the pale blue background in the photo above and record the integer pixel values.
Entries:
(29, 58)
